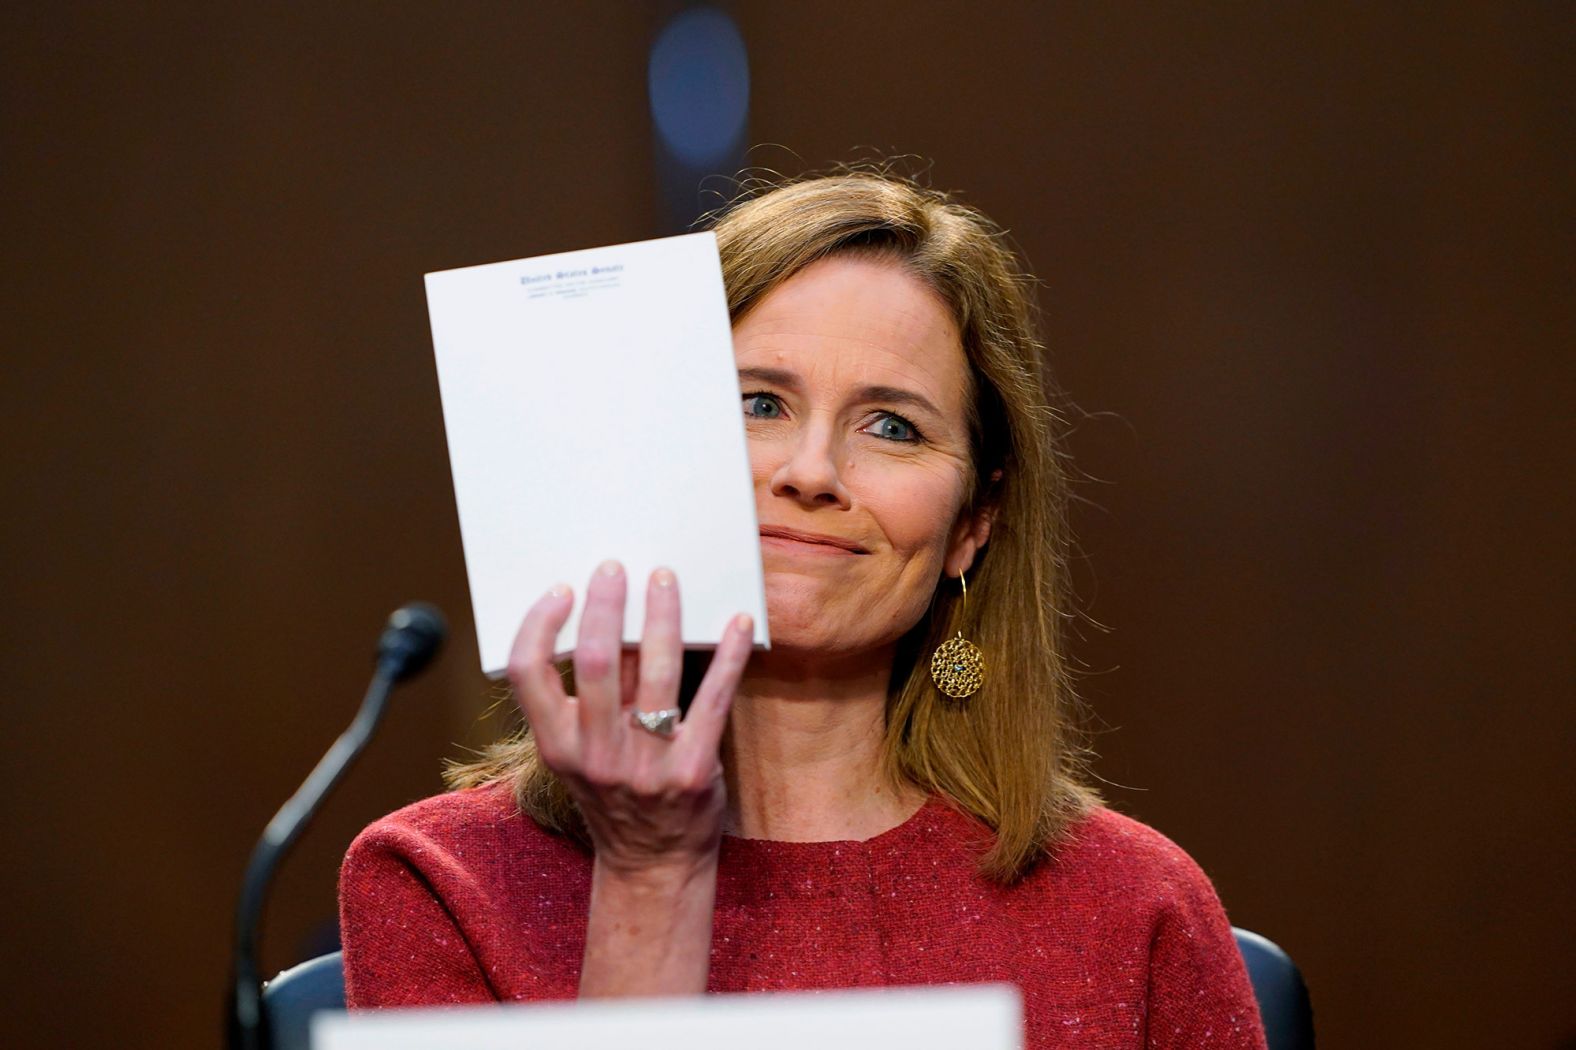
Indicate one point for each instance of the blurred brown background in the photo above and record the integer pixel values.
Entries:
(1308, 271)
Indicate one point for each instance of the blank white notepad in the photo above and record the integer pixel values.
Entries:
(592, 409)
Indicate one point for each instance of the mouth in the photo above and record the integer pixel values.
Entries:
(797, 536)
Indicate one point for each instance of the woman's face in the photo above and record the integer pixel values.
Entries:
(855, 387)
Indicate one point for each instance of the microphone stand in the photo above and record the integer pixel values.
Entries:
(414, 634)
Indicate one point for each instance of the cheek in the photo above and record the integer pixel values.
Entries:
(765, 456)
(914, 505)
(767, 451)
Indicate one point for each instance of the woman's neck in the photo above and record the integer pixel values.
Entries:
(803, 751)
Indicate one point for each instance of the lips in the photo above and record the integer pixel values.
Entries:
(800, 536)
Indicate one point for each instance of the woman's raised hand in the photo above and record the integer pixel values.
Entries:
(650, 802)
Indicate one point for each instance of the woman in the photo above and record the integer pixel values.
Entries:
(826, 814)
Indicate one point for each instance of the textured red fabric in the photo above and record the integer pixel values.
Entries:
(1117, 939)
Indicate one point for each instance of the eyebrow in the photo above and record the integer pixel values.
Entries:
(887, 394)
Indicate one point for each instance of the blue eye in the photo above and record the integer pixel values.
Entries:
(893, 427)
(762, 406)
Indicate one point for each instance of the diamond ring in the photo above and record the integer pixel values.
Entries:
(658, 723)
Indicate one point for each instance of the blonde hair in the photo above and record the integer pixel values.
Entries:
(1012, 754)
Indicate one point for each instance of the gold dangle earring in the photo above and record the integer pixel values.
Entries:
(957, 666)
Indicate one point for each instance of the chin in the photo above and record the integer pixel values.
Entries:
(806, 616)
(801, 615)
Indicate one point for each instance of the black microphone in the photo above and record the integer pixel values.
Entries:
(414, 634)
(413, 637)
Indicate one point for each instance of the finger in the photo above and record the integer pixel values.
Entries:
(598, 648)
(661, 645)
(708, 713)
(628, 677)
(537, 688)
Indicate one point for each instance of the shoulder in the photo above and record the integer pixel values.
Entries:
(1124, 846)
(1198, 989)
(1114, 858)
(442, 820)
(469, 832)
(461, 898)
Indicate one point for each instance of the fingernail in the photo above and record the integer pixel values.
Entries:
(663, 578)
(744, 623)
(609, 568)
(558, 590)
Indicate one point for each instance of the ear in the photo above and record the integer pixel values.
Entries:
(970, 533)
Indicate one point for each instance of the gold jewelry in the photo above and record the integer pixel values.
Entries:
(957, 666)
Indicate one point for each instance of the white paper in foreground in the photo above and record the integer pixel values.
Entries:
(955, 1017)
(592, 409)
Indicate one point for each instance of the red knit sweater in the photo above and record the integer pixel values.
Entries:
(1117, 939)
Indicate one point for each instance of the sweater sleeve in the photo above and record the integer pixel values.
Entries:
(402, 945)
(1199, 994)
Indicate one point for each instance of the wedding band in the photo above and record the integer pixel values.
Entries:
(658, 723)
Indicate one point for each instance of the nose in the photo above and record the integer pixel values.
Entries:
(809, 473)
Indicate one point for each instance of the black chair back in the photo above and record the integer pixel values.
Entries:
(1282, 995)
(290, 1000)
